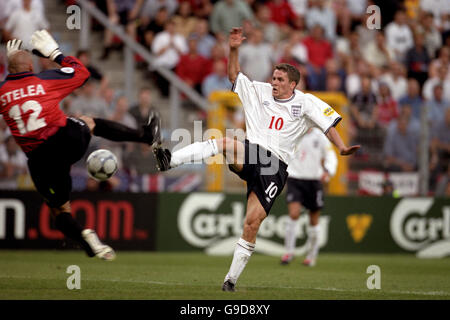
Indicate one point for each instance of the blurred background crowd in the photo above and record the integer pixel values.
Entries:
(395, 77)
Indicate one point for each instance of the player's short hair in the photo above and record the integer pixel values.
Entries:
(292, 72)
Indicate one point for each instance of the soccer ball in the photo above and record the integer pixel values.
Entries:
(101, 164)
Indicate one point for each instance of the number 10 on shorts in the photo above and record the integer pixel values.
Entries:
(271, 190)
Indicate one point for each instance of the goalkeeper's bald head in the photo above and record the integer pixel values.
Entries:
(20, 61)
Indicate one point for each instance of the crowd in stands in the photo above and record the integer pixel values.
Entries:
(393, 68)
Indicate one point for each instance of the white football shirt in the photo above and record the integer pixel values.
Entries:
(277, 125)
(314, 153)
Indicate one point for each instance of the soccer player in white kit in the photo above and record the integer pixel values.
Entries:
(276, 117)
(314, 162)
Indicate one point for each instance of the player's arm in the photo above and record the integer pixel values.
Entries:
(71, 76)
(336, 139)
(234, 41)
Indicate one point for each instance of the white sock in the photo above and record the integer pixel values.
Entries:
(313, 238)
(291, 235)
(242, 254)
(194, 152)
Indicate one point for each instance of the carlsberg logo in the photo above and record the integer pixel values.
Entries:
(413, 231)
(202, 226)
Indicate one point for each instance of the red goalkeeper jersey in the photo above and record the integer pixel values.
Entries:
(29, 102)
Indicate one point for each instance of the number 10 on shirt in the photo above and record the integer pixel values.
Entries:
(278, 123)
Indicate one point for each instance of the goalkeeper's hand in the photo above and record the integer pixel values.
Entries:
(44, 45)
(12, 46)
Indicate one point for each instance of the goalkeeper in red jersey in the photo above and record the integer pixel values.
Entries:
(52, 141)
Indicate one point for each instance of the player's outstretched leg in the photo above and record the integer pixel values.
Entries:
(100, 249)
(115, 131)
(86, 238)
(196, 151)
(246, 244)
(232, 149)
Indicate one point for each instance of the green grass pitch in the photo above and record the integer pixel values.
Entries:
(196, 276)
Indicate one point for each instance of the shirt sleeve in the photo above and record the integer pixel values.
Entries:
(245, 89)
(320, 113)
(72, 75)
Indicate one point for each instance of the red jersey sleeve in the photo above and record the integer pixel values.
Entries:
(72, 75)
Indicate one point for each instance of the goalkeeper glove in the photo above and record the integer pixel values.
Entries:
(12, 46)
(44, 45)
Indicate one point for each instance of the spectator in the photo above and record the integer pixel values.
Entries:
(205, 41)
(400, 147)
(386, 108)
(343, 16)
(300, 7)
(270, 29)
(365, 34)
(141, 160)
(349, 48)
(377, 53)
(228, 14)
(89, 102)
(124, 13)
(142, 109)
(281, 12)
(191, 66)
(319, 13)
(13, 163)
(355, 71)
(120, 115)
(443, 60)
(438, 8)
(151, 7)
(396, 80)
(319, 51)
(24, 21)
(167, 46)
(202, 8)
(292, 50)
(333, 83)
(413, 98)
(357, 10)
(433, 39)
(417, 59)
(109, 96)
(85, 57)
(363, 104)
(184, 21)
(437, 105)
(217, 80)
(443, 184)
(334, 67)
(256, 57)
(399, 36)
(217, 53)
(442, 79)
(149, 28)
(440, 146)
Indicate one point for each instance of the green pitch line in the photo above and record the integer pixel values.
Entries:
(192, 276)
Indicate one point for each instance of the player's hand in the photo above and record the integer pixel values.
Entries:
(236, 38)
(349, 150)
(12, 46)
(44, 45)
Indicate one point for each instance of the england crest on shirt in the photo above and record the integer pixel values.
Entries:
(295, 110)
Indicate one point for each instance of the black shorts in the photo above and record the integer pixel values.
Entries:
(50, 162)
(264, 173)
(308, 192)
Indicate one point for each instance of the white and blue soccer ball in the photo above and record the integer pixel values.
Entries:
(101, 164)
